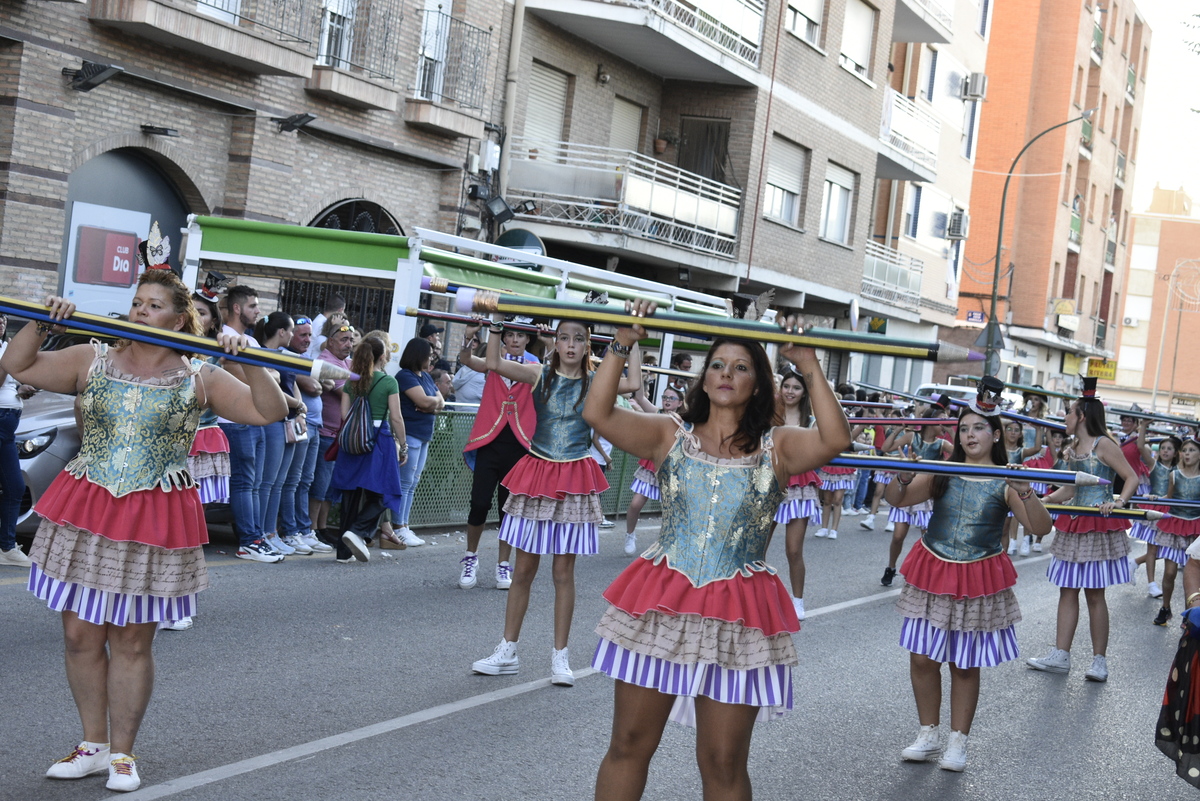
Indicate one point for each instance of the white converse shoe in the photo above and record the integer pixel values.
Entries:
(1153, 590)
(502, 662)
(122, 774)
(85, 760)
(955, 756)
(868, 522)
(1026, 544)
(822, 533)
(891, 526)
(1099, 669)
(630, 544)
(831, 533)
(560, 668)
(1057, 661)
(924, 748)
(798, 603)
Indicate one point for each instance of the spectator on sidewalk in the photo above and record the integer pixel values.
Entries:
(294, 510)
(335, 310)
(420, 401)
(336, 351)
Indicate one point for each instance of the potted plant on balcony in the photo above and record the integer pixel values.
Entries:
(663, 139)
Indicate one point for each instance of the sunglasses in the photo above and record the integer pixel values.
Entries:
(303, 321)
(343, 328)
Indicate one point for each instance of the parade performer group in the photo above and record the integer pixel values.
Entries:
(119, 546)
(699, 627)
(958, 603)
(1177, 532)
(801, 500)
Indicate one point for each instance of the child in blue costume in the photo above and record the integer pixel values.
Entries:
(699, 630)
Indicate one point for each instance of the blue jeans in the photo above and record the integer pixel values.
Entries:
(323, 473)
(276, 463)
(860, 490)
(293, 506)
(247, 447)
(11, 481)
(410, 474)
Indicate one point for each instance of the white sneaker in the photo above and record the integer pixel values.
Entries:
(1012, 547)
(832, 533)
(924, 748)
(297, 545)
(1153, 590)
(1057, 661)
(356, 546)
(560, 668)
(630, 544)
(851, 512)
(122, 774)
(183, 624)
(502, 662)
(798, 603)
(15, 556)
(864, 511)
(1023, 550)
(503, 576)
(1037, 546)
(310, 539)
(1133, 566)
(85, 760)
(822, 533)
(408, 538)
(891, 526)
(868, 522)
(955, 756)
(467, 579)
(606, 523)
(278, 544)
(1099, 669)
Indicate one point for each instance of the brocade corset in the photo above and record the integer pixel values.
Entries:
(1186, 489)
(1160, 477)
(968, 520)
(136, 434)
(562, 434)
(1099, 493)
(929, 450)
(717, 515)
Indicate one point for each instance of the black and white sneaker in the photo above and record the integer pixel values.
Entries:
(259, 551)
(889, 573)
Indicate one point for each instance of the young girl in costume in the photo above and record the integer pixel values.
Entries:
(1050, 458)
(1177, 532)
(794, 408)
(1018, 452)
(1166, 460)
(645, 482)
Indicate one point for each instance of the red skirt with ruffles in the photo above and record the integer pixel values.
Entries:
(979, 579)
(838, 471)
(535, 477)
(1179, 526)
(1089, 525)
(209, 440)
(648, 464)
(809, 479)
(760, 601)
(155, 517)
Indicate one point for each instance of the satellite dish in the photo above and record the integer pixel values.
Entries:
(854, 314)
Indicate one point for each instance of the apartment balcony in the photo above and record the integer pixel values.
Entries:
(1110, 253)
(1085, 139)
(923, 21)
(607, 190)
(891, 277)
(1130, 84)
(1075, 233)
(451, 77)
(1097, 43)
(1101, 327)
(265, 38)
(358, 54)
(713, 41)
(910, 137)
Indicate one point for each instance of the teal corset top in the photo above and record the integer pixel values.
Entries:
(1186, 489)
(562, 434)
(136, 433)
(968, 520)
(717, 513)
(1095, 495)
(929, 450)
(1160, 476)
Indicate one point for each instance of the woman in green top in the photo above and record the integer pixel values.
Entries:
(370, 482)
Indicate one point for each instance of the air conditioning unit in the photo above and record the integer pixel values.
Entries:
(1131, 322)
(974, 86)
(958, 225)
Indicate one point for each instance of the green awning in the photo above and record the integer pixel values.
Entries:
(299, 247)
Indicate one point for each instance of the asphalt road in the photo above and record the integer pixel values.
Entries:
(315, 680)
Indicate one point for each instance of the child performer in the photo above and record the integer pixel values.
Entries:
(1177, 532)
(1050, 458)
(645, 481)
(1160, 484)
(794, 408)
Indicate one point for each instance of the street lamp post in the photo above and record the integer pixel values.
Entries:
(993, 338)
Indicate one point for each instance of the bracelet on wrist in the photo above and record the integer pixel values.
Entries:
(1026, 495)
(1191, 599)
(496, 328)
(902, 482)
(619, 349)
(43, 328)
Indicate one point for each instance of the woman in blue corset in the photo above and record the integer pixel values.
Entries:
(699, 628)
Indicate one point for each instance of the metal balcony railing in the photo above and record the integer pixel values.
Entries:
(609, 189)
(1110, 251)
(452, 62)
(1120, 166)
(892, 277)
(283, 20)
(364, 40)
(910, 129)
(1101, 332)
(1098, 41)
(1075, 234)
(1131, 82)
(937, 11)
(734, 26)
(1085, 134)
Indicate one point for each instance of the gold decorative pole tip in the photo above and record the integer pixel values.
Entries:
(438, 284)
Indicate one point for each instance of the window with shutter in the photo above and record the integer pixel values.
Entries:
(785, 180)
(804, 18)
(546, 109)
(626, 130)
(837, 204)
(970, 128)
(858, 37)
(985, 10)
(931, 74)
(912, 214)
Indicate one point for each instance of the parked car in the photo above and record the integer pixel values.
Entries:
(1011, 400)
(47, 438)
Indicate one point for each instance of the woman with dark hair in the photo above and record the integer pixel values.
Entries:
(958, 603)
(699, 627)
(645, 481)
(1165, 462)
(834, 483)
(793, 407)
(119, 548)
(1088, 553)
(12, 395)
(370, 482)
(208, 460)
(420, 401)
(554, 501)
(1177, 532)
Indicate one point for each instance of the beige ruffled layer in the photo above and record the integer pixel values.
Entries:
(1165, 540)
(690, 639)
(990, 613)
(807, 493)
(70, 554)
(571, 509)
(207, 465)
(644, 475)
(1096, 546)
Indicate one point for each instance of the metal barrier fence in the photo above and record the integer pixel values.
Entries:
(443, 495)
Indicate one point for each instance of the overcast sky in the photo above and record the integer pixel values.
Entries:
(1169, 141)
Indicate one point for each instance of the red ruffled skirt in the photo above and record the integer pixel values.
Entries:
(809, 479)
(535, 477)
(1179, 526)
(838, 471)
(759, 602)
(647, 464)
(209, 440)
(1088, 525)
(155, 517)
(979, 579)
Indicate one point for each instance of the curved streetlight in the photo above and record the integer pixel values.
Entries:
(994, 339)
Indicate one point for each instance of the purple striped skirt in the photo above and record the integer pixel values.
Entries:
(1089, 575)
(643, 488)
(797, 509)
(548, 537)
(99, 606)
(966, 649)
